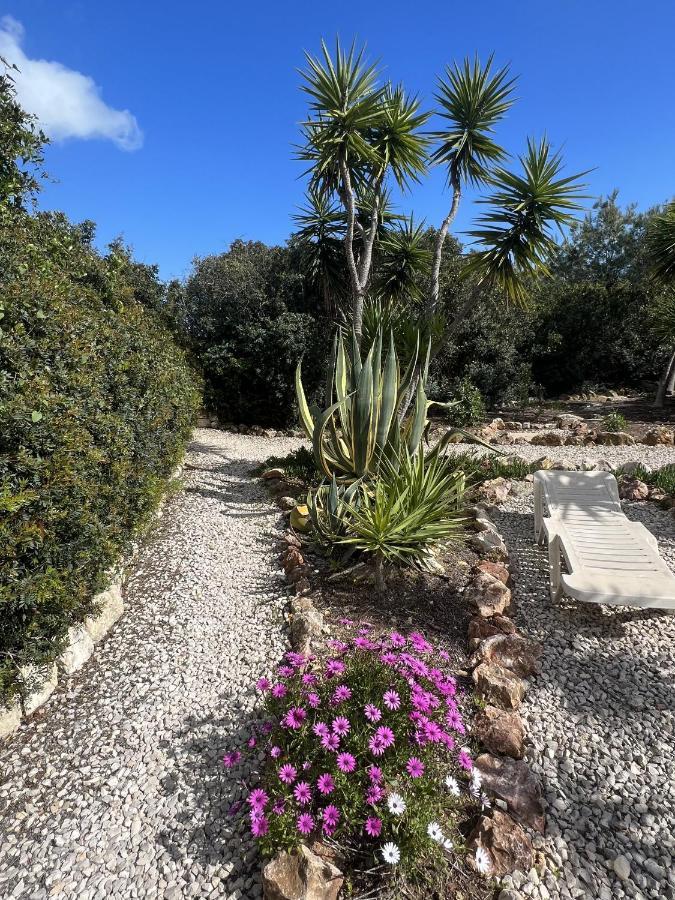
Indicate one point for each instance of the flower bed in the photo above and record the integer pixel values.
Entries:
(364, 750)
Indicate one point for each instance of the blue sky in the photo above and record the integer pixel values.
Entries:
(191, 142)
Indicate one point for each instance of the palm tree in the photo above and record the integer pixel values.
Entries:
(319, 240)
(358, 134)
(661, 256)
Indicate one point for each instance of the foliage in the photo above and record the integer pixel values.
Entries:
(663, 478)
(614, 422)
(661, 244)
(469, 408)
(21, 145)
(250, 316)
(298, 464)
(361, 424)
(477, 468)
(96, 406)
(362, 749)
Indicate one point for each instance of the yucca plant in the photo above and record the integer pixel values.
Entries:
(329, 506)
(361, 425)
(414, 505)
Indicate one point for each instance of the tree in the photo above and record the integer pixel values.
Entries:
(21, 145)
(661, 254)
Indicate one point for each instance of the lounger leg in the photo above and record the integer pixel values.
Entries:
(554, 566)
(538, 514)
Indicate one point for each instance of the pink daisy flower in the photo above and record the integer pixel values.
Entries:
(373, 826)
(331, 816)
(341, 693)
(305, 823)
(321, 729)
(374, 794)
(391, 700)
(330, 742)
(465, 760)
(397, 640)
(314, 700)
(257, 799)
(231, 759)
(288, 773)
(308, 678)
(415, 767)
(279, 690)
(263, 684)
(285, 671)
(375, 774)
(346, 762)
(302, 793)
(372, 713)
(279, 808)
(341, 726)
(389, 659)
(334, 667)
(259, 827)
(420, 643)
(295, 717)
(325, 783)
(251, 742)
(385, 735)
(275, 752)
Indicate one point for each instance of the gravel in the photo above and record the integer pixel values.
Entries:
(601, 720)
(116, 788)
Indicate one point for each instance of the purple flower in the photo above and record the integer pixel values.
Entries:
(373, 826)
(432, 731)
(334, 667)
(330, 816)
(295, 717)
(279, 690)
(321, 729)
(257, 799)
(465, 760)
(375, 774)
(288, 773)
(330, 742)
(454, 720)
(295, 659)
(341, 726)
(391, 700)
(231, 759)
(314, 700)
(252, 741)
(364, 643)
(325, 783)
(285, 671)
(337, 646)
(385, 735)
(305, 823)
(267, 727)
(259, 826)
(308, 678)
(302, 793)
(372, 713)
(263, 684)
(346, 622)
(374, 794)
(415, 767)
(420, 643)
(346, 762)
(389, 659)
(279, 808)
(376, 746)
(275, 752)
(341, 693)
(397, 640)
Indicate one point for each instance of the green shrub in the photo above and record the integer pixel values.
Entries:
(96, 407)
(298, 464)
(470, 408)
(614, 422)
(663, 478)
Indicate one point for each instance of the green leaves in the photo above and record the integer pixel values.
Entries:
(661, 244)
(472, 100)
(516, 235)
(36, 416)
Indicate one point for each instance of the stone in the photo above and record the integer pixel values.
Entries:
(10, 718)
(489, 543)
(270, 474)
(481, 628)
(631, 488)
(496, 569)
(291, 539)
(544, 462)
(658, 495)
(286, 502)
(488, 594)
(292, 559)
(79, 649)
(300, 520)
(655, 437)
(498, 686)
(549, 439)
(507, 845)
(301, 876)
(306, 626)
(568, 420)
(511, 651)
(634, 466)
(500, 732)
(622, 867)
(494, 490)
(39, 686)
(614, 438)
(111, 607)
(512, 781)
(588, 464)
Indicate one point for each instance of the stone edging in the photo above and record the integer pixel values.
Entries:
(39, 683)
(502, 660)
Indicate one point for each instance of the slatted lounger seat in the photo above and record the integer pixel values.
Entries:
(609, 558)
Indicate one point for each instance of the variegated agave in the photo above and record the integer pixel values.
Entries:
(364, 421)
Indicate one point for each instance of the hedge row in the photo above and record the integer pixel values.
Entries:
(96, 407)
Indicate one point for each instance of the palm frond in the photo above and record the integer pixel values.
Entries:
(661, 244)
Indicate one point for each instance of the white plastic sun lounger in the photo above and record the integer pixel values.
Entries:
(609, 559)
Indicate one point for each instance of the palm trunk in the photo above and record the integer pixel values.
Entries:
(667, 379)
(379, 573)
(432, 303)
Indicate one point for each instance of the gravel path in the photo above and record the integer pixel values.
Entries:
(115, 788)
(601, 717)
(654, 457)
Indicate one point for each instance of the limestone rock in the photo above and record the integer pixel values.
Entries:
(544, 462)
(111, 607)
(292, 559)
(286, 502)
(39, 686)
(10, 718)
(614, 438)
(511, 651)
(512, 781)
(488, 594)
(489, 543)
(500, 732)
(495, 490)
(301, 876)
(79, 649)
(549, 439)
(480, 628)
(306, 626)
(300, 520)
(496, 569)
(588, 464)
(273, 473)
(654, 437)
(507, 845)
(631, 488)
(498, 686)
(568, 420)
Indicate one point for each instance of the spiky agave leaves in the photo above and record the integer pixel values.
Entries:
(360, 426)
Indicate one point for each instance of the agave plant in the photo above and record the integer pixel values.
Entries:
(415, 504)
(361, 425)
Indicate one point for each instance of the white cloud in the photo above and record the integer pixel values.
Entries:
(67, 103)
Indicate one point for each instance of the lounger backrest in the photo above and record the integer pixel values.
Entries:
(593, 492)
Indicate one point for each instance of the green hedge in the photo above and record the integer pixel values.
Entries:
(96, 407)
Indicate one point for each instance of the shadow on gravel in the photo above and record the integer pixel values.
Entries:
(210, 826)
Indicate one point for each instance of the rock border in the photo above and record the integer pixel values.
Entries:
(39, 682)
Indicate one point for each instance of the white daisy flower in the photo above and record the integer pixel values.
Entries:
(396, 804)
(435, 832)
(485, 801)
(483, 861)
(452, 785)
(447, 844)
(476, 782)
(391, 854)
